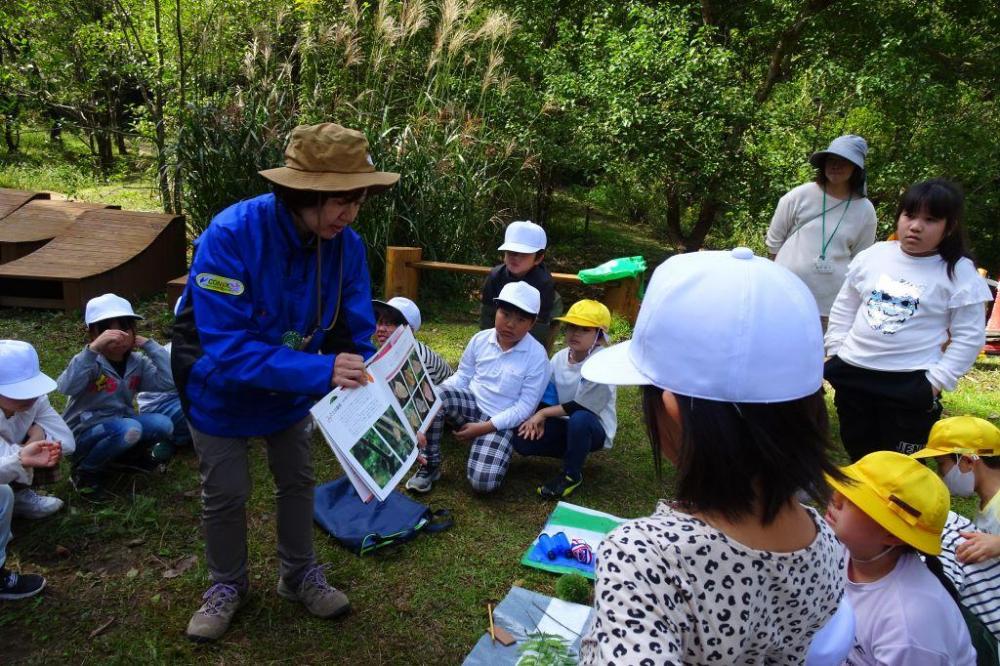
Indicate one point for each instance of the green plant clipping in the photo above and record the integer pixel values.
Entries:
(546, 650)
(574, 588)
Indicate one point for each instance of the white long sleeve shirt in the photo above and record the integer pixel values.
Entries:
(895, 312)
(14, 429)
(508, 384)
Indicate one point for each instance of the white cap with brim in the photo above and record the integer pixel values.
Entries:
(406, 308)
(521, 295)
(21, 378)
(108, 306)
(524, 237)
(725, 326)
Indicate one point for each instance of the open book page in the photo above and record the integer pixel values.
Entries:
(368, 431)
(399, 364)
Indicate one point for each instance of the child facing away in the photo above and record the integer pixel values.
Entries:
(584, 419)
(736, 570)
(967, 451)
(888, 511)
(523, 260)
(499, 382)
(397, 311)
(101, 382)
(25, 417)
(900, 303)
(22, 385)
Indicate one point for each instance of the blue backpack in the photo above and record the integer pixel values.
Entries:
(363, 528)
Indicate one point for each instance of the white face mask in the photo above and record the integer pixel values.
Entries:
(960, 484)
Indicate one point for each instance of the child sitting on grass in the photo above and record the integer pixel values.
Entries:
(390, 315)
(523, 260)
(101, 382)
(584, 419)
(22, 386)
(26, 416)
(499, 382)
(888, 511)
(967, 451)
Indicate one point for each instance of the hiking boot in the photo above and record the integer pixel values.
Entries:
(29, 504)
(559, 487)
(319, 597)
(89, 485)
(19, 586)
(212, 620)
(424, 479)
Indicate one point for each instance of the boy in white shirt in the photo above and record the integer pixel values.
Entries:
(500, 380)
(25, 419)
(888, 510)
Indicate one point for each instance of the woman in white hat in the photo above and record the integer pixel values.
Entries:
(820, 226)
(728, 350)
(277, 310)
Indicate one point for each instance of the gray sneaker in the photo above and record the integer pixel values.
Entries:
(212, 620)
(424, 479)
(319, 597)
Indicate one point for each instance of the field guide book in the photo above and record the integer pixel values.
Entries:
(372, 429)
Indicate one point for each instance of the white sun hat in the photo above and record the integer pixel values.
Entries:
(521, 295)
(108, 306)
(725, 326)
(406, 308)
(21, 378)
(523, 236)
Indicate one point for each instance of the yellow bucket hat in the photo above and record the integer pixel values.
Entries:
(965, 435)
(589, 313)
(901, 495)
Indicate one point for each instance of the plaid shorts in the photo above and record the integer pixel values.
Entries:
(489, 456)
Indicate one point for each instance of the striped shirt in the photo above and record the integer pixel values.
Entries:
(978, 584)
(437, 367)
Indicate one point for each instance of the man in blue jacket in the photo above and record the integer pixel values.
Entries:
(277, 310)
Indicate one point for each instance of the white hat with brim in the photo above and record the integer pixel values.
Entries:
(521, 295)
(523, 236)
(406, 309)
(329, 158)
(108, 306)
(724, 326)
(21, 377)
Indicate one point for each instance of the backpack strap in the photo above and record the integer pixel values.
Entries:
(440, 520)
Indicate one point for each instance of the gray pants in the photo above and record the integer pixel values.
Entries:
(225, 488)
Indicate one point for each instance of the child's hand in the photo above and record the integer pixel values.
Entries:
(470, 431)
(109, 340)
(978, 546)
(533, 428)
(421, 441)
(35, 433)
(140, 341)
(39, 454)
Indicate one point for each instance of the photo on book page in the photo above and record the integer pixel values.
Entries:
(399, 363)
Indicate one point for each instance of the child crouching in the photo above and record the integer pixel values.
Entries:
(499, 382)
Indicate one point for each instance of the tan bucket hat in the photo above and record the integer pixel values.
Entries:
(329, 158)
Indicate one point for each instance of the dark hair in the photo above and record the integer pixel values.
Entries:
(298, 199)
(511, 308)
(390, 314)
(943, 199)
(733, 454)
(993, 462)
(856, 182)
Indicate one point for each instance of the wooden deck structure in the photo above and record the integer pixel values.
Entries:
(129, 253)
(38, 221)
(11, 200)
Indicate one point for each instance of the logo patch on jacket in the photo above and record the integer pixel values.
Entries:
(218, 283)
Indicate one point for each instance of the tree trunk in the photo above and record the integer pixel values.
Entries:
(11, 136)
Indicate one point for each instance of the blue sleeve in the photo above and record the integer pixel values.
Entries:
(230, 334)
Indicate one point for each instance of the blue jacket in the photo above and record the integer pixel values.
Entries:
(251, 289)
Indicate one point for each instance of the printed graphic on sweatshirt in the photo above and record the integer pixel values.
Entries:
(891, 303)
(104, 384)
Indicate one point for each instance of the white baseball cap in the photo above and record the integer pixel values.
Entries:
(406, 308)
(725, 326)
(521, 295)
(108, 306)
(20, 376)
(523, 236)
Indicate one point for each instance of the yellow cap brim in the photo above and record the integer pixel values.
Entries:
(886, 514)
(580, 321)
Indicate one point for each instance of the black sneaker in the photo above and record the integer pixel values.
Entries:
(89, 485)
(137, 459)
(559, 487)
(19, 586)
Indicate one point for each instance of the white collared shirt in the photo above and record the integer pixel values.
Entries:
(507, 384)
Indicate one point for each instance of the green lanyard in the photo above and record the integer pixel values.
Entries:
(826, 241)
